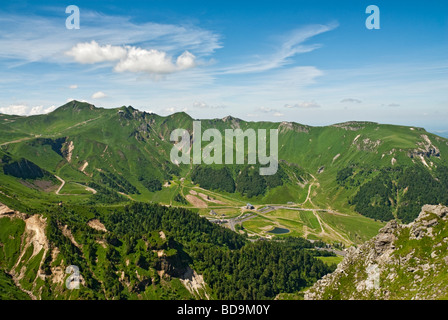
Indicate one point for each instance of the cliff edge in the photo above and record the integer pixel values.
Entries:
(403, 262)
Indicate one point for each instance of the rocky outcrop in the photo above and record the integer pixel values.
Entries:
(34, 237)
(195, 284)
(425, 149)
(401, 262)
(291, 126)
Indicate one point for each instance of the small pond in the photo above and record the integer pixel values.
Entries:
(279, 230)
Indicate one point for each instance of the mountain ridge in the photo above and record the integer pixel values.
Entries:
(126, 152)
(75, 104)
(161, 224)
(402, 262)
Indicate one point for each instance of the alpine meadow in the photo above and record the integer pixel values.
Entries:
(226, 151)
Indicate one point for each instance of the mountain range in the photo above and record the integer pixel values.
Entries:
(74, 182)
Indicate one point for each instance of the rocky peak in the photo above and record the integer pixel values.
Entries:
(401, 262)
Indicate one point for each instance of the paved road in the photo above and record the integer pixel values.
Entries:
(338, 252)
(233, 221)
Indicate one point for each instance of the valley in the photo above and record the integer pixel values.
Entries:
(102, 183)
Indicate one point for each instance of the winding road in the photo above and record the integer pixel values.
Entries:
(61, 186)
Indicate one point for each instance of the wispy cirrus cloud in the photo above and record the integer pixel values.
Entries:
(294, 43)
(19, 33)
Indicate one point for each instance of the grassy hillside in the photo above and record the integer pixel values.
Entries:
(79, 164)
(403, 262)
(125, 154)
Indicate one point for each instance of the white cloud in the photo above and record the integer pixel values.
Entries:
(25, 110)
(153, 61)
(292, 45)
(351, 100)
(50, 41)
(185, 61)
(73, 86)
(130, 58)
(41, 110)
(99, 95)
(273, 112)
(203, 105)
(20, 110)
(36, 110)
(304, 105)
(92, 52)
(200, 104)
(267, 110)
(171, 110)
(72, 99)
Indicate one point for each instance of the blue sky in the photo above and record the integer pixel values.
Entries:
(312, 62)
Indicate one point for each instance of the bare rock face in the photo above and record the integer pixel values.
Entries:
(384, 241)
(401, 262)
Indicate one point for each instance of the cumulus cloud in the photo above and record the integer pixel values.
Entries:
(92, 52)
(351, 100)
(18, 109)
(130, 58)
(25, 110)
(99, 95)
(73, 86)
(23, 31)
(304, 105)
(153, 61)
(185, 61)
(40, 110)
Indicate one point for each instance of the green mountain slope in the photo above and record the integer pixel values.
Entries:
(85, 180)
(114, 155)
(406, 262)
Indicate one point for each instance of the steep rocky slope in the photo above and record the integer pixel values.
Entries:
(31, 263)
(401, 262)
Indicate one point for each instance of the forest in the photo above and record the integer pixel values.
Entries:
(243, 179)
(400, 192)
(232, 266)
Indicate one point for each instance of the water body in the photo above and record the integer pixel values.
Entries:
(279, 230)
